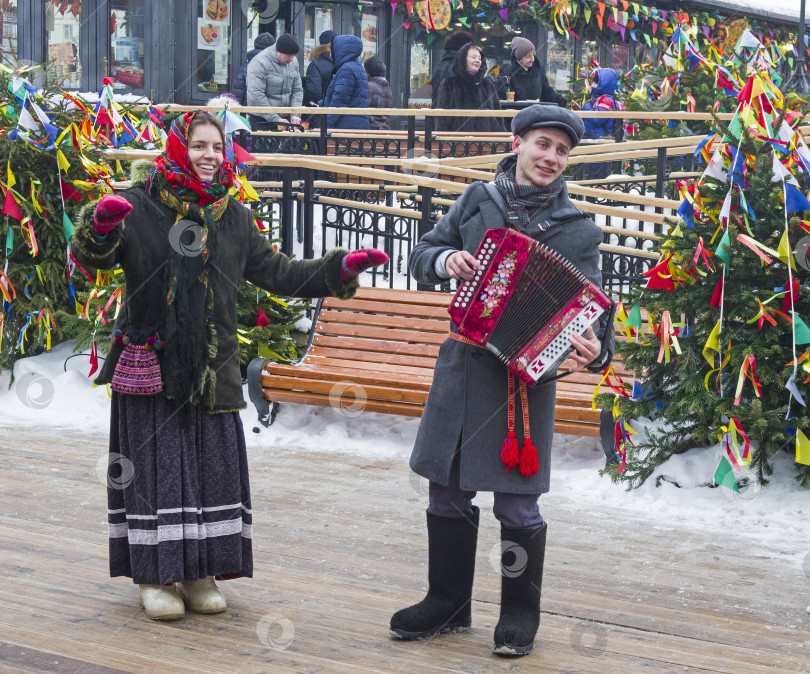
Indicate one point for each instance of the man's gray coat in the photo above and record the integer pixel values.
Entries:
(466, 410)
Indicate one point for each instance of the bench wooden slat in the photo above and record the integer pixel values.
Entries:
(394, 308)
(350, 365)
(333, 374)
(400, 296)
(396, 408)
(373, 357)
(383, 347)
(328, 317)
(349, 390)
(392, 336)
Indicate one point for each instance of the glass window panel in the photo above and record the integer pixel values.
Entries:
(316, 21)
(126, 44)
(619, 58)
(213, 38)
(559, 62)
(365, 27)
(62, 35)
(420, 75)
(588, 51)
(8, 30)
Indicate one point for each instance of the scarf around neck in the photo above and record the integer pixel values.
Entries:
(180, 176)
(524, 200)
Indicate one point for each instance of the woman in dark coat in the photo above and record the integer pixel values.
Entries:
(527, 78)
(319, 71)
(349, 86)
(379, 92)
(179, 511)
(452, 44)
(469, 89)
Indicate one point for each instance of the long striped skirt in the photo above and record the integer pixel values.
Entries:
(178, 494)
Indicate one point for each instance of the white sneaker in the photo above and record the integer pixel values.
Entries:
(161, 602)
(202, 596)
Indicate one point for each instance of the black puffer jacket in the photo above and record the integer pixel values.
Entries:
(462, 91)
(532, 84)
(262, 41)
(319, 74)
(379, 96)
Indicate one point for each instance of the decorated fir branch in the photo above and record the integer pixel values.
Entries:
(724, 353)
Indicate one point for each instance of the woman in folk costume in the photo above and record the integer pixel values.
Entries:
(180, 512)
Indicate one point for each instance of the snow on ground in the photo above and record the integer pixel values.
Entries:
(776, 517)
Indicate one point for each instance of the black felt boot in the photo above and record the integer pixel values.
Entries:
(451, 567)
(523, 551)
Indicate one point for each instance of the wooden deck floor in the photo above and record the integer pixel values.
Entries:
(339, 545)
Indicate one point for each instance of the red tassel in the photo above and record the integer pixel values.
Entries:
(510, 454)
(93, 359)
(529, 464)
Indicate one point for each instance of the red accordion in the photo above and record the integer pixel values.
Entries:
(524, 304)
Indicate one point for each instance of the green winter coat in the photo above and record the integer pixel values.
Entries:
(141, 246)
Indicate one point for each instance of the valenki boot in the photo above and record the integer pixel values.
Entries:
(451, 567)
(520, 589)
(202, 596)
(161, 602)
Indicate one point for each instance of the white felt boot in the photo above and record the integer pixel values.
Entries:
(202, 596)
(161, 602)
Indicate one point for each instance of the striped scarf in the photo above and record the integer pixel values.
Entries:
(524, 200)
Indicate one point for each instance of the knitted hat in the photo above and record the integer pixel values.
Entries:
(326, 37)
(540, 116)
(521, 47)
(457, 40)
(375, 67)
(287, 44)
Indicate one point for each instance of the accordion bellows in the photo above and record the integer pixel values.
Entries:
(137, 372)
(525, 303)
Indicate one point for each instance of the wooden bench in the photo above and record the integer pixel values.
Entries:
(376, 352)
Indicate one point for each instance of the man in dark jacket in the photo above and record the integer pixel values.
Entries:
(527, 79)
(349, 85)
(262, 42)
(468, 411)
(452, 44)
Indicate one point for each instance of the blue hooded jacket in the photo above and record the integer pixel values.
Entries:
(602, 100)
(349, 86)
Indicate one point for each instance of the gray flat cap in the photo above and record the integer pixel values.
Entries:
(542, 116)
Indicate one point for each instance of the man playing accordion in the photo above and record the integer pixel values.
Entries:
(472, 408)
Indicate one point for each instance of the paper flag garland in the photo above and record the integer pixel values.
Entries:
(724, 475)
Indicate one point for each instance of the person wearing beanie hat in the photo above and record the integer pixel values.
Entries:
(319, 73)
(452, 43)
(273, 81)
(262, 41)
(288, 45)
(605, 82)
(527, 78)
(460, 446)
(379, 92)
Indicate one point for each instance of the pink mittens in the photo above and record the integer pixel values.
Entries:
(110, 211)
(359, 260)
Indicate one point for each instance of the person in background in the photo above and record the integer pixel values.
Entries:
(319, 71)
(468, 88)
(184, 514)
(262, 42)
(452, 44)
(349, 85)
(527, 78)
(273, 80)
(602, 99)
(379, 92)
